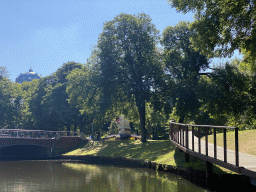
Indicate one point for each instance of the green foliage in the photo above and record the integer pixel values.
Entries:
(3, 72)
(113, 128)
(248, 65)
(221, 26)
(229, 91)
(10, 113)
(84, 94)
(228, 97)
(182, 66)
(49, 102)
(5, 106)
(127, 74)
(28, 89)
(65, 69)
(128, 63)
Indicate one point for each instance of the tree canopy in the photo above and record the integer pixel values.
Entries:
(49, 102)
(182, 66)
(129, 74)
(222, 26)
(128, 64)
(3, 72)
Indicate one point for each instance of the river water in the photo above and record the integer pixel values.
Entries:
(64, 176)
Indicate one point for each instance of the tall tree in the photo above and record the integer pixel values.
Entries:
(5, 96)
(28, 89)
(222, 26)
(3, 72)
(36, 104)
(182, 67)
(49, 104)
(128, 62)
(229, 96)
(84, 93)
(10, 113)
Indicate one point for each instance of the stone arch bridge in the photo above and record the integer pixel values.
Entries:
(38, 143)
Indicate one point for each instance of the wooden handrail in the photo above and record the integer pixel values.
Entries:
(210, 126)
(177, 135)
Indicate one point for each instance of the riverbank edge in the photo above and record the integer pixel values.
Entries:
(197, 177)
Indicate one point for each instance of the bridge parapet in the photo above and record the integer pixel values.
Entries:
(37, 134)
(55, 142)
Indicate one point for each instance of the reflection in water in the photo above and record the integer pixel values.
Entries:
(71, 176)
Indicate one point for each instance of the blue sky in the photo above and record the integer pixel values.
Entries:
(44, 34)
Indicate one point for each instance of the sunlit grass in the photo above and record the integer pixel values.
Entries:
(160, 151)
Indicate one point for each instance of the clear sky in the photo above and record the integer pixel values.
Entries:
(44, 34)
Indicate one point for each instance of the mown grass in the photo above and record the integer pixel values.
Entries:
(160, 151)
(246, 138)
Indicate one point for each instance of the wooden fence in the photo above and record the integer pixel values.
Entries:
(179, 133)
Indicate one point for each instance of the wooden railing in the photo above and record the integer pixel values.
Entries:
(179, 133)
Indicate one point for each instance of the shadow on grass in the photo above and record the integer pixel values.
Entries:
(159, 151)
(150, 150)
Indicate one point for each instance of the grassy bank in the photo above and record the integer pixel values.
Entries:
(247, 142)
(162, 152)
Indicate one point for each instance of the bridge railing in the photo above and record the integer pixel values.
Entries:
(39, 134)
(179, 134)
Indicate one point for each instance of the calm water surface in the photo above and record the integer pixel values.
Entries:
(31, 176)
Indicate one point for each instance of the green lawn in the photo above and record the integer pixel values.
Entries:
(160, 151)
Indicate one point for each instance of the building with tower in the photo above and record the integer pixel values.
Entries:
(28, 76)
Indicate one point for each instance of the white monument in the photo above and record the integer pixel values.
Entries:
(124, 126)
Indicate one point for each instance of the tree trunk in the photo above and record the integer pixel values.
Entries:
(68, 130)
(141, 108)
(75, 127)
(181, 120)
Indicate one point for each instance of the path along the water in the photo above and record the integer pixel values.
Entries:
(245, 160)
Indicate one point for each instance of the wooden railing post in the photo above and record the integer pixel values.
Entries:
(171, 131)
(187, 147)
(179, 134)
(182, 128)
(193, 143)
(175, 133)
(183, 132)
(186, 137)
(225, 144)
(206, 141)
(236, 147)
(199, 140)
(215, 144)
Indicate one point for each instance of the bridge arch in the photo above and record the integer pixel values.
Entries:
(26, 150)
